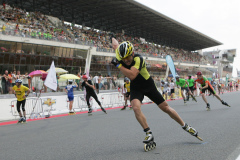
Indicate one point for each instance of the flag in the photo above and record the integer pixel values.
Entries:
(51, 80)
(171, 65)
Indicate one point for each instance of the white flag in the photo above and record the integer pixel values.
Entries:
(51, 80)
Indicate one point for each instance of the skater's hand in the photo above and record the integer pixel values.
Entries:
(200, 88)
(24, 96)
(116, 63)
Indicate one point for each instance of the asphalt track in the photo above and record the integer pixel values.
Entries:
(117, 135)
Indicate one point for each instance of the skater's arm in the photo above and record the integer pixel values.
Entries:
(131, 74)
(28, 91)
(206, 85)
(115, 43)
(76, 84)
(89, 84)
(186, 83)
(65, 90)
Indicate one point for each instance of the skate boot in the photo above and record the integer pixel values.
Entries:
(187, 98)
(225, 103)
(185, 102)
(194, 98)
(90, 111)
(149, 142)
(103, 110)
(124, 107)
(20, 120)
(130, 108)
(24, 120)
(71, 113)
(191, 130)
(208, 107)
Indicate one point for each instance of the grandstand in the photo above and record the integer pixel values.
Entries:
(33, 33)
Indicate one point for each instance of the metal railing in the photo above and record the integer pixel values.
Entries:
(112, 99)
(31, 103)
(79, 103)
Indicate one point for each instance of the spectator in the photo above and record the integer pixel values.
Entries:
(1, 91)
(3, 29)
(10, 83)
(25, 79)
(18, 76)
(78, 81)
(14, 78)
(5, 82)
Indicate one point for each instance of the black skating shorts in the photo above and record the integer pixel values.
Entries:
(19, 103)
(151, 92)
(127, 94)
(185, 88)
(210, 88)
(172, 91)
(192, 88)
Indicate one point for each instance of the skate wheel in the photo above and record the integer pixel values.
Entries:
(154, 145)
(146, 147)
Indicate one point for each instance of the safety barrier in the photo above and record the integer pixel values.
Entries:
(31, 103)
(112, 99)
(79, 103)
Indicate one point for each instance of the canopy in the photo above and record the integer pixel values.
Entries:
(69, 76)
(59, 70)
(37, 73)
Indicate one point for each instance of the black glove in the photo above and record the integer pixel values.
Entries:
(116, 63)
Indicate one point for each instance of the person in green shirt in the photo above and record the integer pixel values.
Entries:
(45, 35)
(184, 86)
(191, 85)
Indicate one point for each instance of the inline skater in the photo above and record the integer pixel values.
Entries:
(165, 86)
(20, 92)
(191, 85)
(184, 86)
(90, 93)
(127, 94)
(205, 85)
(69, 90)
(134, 67)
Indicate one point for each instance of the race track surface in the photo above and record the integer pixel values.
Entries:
(118, 136)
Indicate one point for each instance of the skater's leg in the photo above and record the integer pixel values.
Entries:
(136, 105)
(204, 98)
(218, 97)
(70, 105)
(18, 108)
(23, 108)
(98, 102)
(171, 112)
(125, 98)
(96, 99)
(183, 95)
(87, 99)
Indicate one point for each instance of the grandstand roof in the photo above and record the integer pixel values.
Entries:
(117, 15)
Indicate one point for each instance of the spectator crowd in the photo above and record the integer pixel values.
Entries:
(36, 25)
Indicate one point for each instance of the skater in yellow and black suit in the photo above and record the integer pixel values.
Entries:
(21, 92)
(133, 66)
(127, 94)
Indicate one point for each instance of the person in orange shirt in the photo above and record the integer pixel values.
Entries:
(10, 82)
(206, 85)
